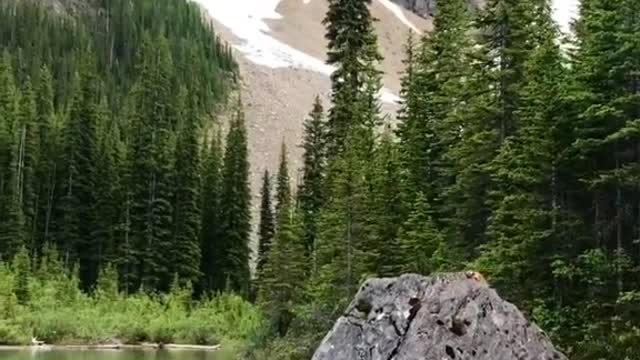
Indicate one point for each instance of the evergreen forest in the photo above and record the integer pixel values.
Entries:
(516, 153)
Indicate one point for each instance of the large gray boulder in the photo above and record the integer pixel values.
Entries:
(442, 317)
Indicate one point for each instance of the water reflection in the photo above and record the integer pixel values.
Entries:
(43, 354)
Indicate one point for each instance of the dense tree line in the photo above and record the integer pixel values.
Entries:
(108, 148)
(515, 154)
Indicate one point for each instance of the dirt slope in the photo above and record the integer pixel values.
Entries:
(277, 100)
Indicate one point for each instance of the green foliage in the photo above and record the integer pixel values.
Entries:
(266, 229)
(283, 187)
(210, 237)
(235, 218)
(98, 157)
(516, 156)
(284, 274)
(58, 312)
(22, 270)
(311, 191)
(420, 247)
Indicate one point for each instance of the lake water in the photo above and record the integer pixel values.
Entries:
(112, 355)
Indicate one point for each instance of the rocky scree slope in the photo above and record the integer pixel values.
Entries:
(443, 317)
(427, 8)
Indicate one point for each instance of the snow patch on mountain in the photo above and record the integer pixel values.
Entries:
(397, 11)
(245, 19)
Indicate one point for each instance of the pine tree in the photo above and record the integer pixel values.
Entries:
(266, 229)
(311, 191)
(284, 273)
(353, 51)
(346, 236)
(8, 117)
(11, 216)
(602, 163)
(235, 222)
(283, 186)
(387, 201)
(476, 130)
(508, 36)
(151, 169)
(105, 232)
(12, 224)
(434, 94)
(211, 239)
(186, 250)
(607, 96)
(346, 246)
(420, 247)
(77, 218)
(47, 164)
(29, 148)
(526, 218)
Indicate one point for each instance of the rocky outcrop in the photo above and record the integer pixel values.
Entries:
(444, 317)
(427, 8)
(424, 8)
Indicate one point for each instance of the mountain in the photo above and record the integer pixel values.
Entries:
(280, 47)
(427, 8)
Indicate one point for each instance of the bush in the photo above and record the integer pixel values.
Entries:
(56, 312)
(11, 334)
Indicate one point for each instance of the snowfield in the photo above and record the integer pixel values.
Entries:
(245, 19)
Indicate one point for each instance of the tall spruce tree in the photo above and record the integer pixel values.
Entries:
(311, 191)
(266, 229)
(420, 246)
(77, 216)
(283, 186)
(151, 168)
(12, 224)
(186, 252)
(235, 204)
(211, 240)
(436, 90)
(492, 96)
(284, 273)
(104, 233)
(29, 150)
(353, 51)
(603, 165)
(47, 158)
(11, 216)
(526, 202)
(8, 116)
(387, 201)
(432, 92)
(346, 234)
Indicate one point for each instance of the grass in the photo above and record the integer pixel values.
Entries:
(54, 310)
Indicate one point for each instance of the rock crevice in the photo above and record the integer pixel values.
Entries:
(443, 317)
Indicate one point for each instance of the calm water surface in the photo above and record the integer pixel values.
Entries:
(112, 355)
